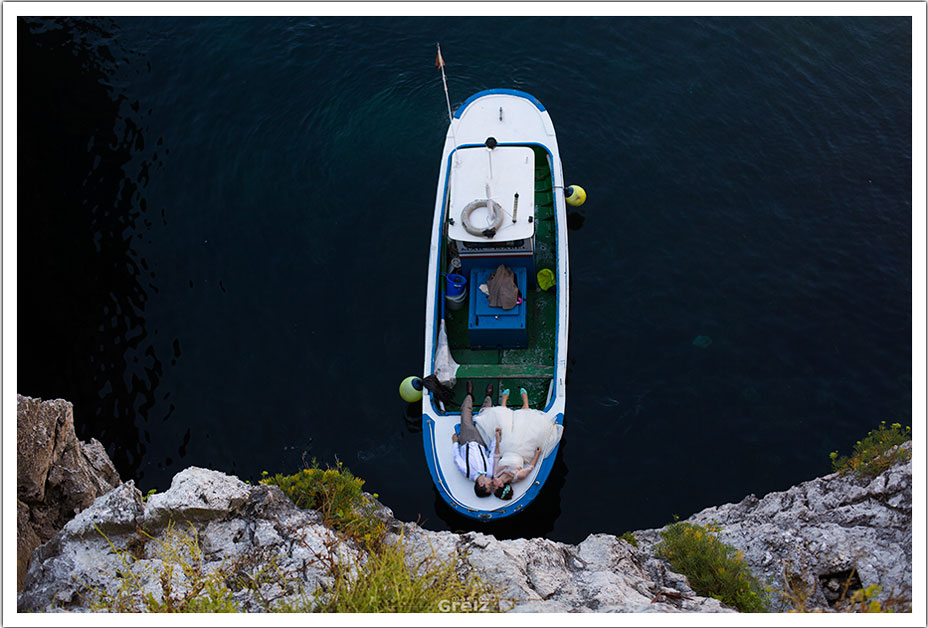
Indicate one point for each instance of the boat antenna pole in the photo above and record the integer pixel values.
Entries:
(441, 64)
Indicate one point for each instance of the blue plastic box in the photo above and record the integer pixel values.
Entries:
(493, 327)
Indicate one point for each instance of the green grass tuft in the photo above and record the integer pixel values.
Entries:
(384, 583)
(865, 601)
(712, 568)
(629, 538)
(337, 495)
(877, 452)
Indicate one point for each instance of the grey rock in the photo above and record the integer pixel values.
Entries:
(79, 558)
(196, 494)
(601, 574)
(103, 473)
(26, 541)
(117, 512)
(253, 533)
(57, 475)
(820, 531)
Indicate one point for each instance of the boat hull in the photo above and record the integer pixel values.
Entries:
(516, 119)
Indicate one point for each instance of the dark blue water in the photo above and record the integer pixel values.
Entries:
(224, 230)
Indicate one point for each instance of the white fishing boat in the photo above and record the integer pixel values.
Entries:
(501, 200)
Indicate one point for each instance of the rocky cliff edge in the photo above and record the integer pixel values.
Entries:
(812, 537)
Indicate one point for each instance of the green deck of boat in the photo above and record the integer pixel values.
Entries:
(531, 368)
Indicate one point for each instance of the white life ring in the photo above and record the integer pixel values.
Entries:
(496, 217)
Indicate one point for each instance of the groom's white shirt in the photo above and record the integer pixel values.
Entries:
(481, 460)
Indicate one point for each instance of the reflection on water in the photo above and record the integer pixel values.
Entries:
(412, 416)
(81, 334)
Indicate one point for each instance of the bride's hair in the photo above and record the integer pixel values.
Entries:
(504, 491)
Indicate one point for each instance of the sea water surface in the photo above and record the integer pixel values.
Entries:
(223, 234)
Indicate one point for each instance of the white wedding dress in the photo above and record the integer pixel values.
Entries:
(522, 432)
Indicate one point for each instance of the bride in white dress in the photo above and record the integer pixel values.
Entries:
(521, 436)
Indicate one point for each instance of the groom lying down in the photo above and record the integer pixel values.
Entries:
(471, 453)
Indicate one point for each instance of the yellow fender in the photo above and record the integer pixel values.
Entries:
(576, 195)
(411, 389)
